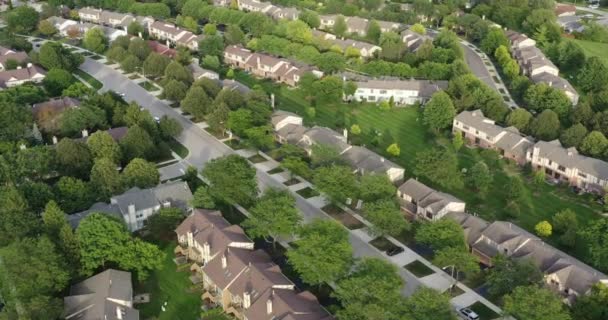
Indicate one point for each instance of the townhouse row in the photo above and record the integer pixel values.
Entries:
(289, 129)
(563, 274)
(267, 66)
(366, 50)
(243, 281)
(559, 163)
(77, 29)
(356, 25)
(537, 66)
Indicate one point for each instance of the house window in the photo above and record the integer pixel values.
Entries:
(561, 168)
(371, 98)
(550, 162)
(383, 91)
(465, 128)
(582, 175)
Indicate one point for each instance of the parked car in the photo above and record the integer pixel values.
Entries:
(468, 314)
(394, 251)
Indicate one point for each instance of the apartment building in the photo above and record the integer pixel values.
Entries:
(424, 202)
(6, 55)
(366, 50)
(402, 92)
(244, 282)
(480, 131)
(276, 12)
(357, 25)
(267, 66)
(563, 274)
(289, 129)
(174, 34)
(111, 18)
(413, 40)
(136, 205)
(31, 73)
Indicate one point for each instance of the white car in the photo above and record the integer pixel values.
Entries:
(157, 119)
(468, 314)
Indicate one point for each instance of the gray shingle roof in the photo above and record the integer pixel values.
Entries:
(368, 161)
(570, 158)
(476, 119)
(91, 298)
(280, 115)
(326, 136)
(425, 196)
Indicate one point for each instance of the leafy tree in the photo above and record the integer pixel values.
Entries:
(273, 216)
(140, 173)
(105, 178)
(439, 165)
(155, 65)
(373, 32)
(211, 46)
(593, 76)
(137, 143)
(596, 236)
(519, 118)
(594, 144)
(134, 28)
(426, 303)
(176, 71)
(541, 97)
(196, 102)
(386, 218)
(175, 90)
(546, 125)
(22, 19)
(57, 80)
(203, 198)
(139, 48)
(330, 62)
(16, 220)
(494, 39)
(31, 282)
(328, 90)
(355, 129)
(116, 54)
(234, 35)
(298, 31)
(373, 282)
(323, 155)
(441, 234)
(297, 167)
(418, 28)
(73, 194)
(373, 187)
(457, 141)
(53, 55)
(508, 274)
(162, 224)
(95, 40)
(73, 121)
(480, 178)
(394, 150)
(337, 182)
(169, 127)
(439, 112)
(60, 232)
(340, 26)
(257, 24)
(592, 306)
(119, 247)
(564, 220)
(310, 17)
(102, 145)
(323, 253)
(232, 179)
(130, 63)
(543, 229)
(534, 303)
(457, 258)
(73, 158)
(46, 28)
(260, 137)
(36, 194)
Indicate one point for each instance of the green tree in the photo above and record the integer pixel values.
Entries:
(573, 136)
(16, 219)
(439, 165)
(175, 90)
(337, 182)
(234, 35)
(134, 28)
(73, 194)
(340, 26)
(564, 220)
(330, 62)
(519, 118)
(22, 19)
(139, 48)
(394, 150)
(53, 55)
(543, 229)
(105, 178)
(130, 63)
(457, 141)
(441, 234)
(169, 127)
(373, 32)
(310, 17)
(119, 247)
(31, 282)
(297, 167)
(493, 40)
(196, 102)
(323, 253)
(116, 54)
(592, 306)
(546, 125)
(176, 71)
(594, 144)
(260, 137)
(73, 158)
(54, 219)
(593, 76)
(418, 28)
(202, 198)
(155, 65)
(46, 28)
(508, 274)
(426, 303)
(232, 180)
(211, 46)
(480, 178)
(162, 224)
(298, 31)
(102, 145)
(386, 218)
(457, 258)
(140, 173)
(439, 112)
(273, 216)
(596, 236)
(534, 303)
(373, 187)
(137, 143)
(95, 40)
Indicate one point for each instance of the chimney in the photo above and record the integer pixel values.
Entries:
(224, 262)
(272, 100)
(131, 209)
(29, 64)
(246, 300)
(85, 133)
(118, 313)
(345, 133)
(54, 140)
(550, 83)
(269, 305)
(381, 159)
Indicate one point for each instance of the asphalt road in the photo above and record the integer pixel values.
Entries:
(204, 147)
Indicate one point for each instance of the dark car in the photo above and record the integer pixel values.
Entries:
(394, 251)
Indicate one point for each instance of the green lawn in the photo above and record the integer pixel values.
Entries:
(178, 148)
(405, 127)
(169, 285)
(419, 269)
(88, 78)
(594, 49)
(148, 86)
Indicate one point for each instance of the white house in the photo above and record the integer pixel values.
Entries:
(422, 201)
(403, 92)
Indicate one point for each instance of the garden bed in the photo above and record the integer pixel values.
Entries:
(134, 76)
(89, 79)
(275, 170)
(234, 144)
(382, 244)
(308, 192)
(256, 158)
(455, 291)
(483, 311)
(148, 86)
(178, 148)
(419, 269)
(291, 182)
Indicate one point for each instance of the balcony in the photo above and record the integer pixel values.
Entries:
(212, 295)
(235, 309)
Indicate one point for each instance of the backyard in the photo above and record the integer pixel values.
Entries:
(173, 287)
(406, 129)
(594, 49)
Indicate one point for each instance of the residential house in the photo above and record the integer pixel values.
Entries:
(18, 57)
(563, 274)
(267, 66)
(159, 48)
(32, 73)
(364, 161)
(386, 26)
(421, 201)
(533, 61)
(116, 133)
(47, 115)
(136, 205)
(322, 35)
(234, 275)
(558, 83)
(111, 18)
(62, 25)
(564, 10)
(107, 295)
(402, 92)
(519, 40)
(323, 136)
(567, 165)
(198, 72)
(229, 84)
(90, 14)
(115, 19)
(280, 119)
(413, 40)
(571, 23)
(286, 13)
(366, 50)
(222, 3)
(356, 25)
(174, 34)
(254, 6)
(480, 131)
